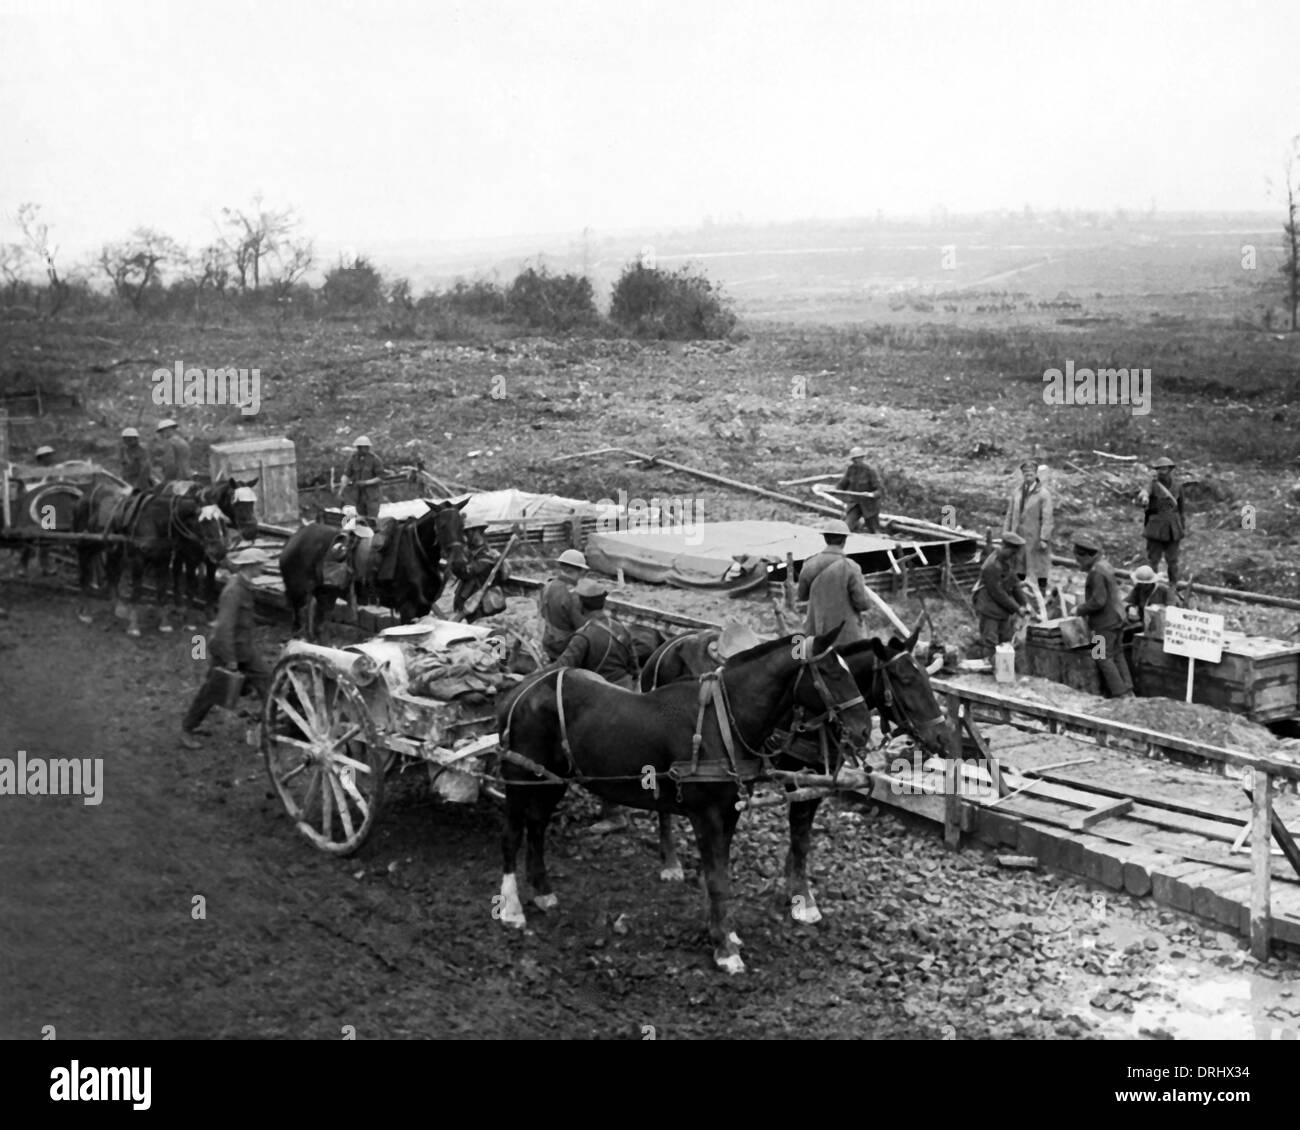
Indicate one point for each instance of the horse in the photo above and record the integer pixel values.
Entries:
(894, 685)
(418, 577)
(235, 501)
(145, 528)
(686, 748)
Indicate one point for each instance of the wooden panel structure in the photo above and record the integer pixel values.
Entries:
(270, 459)
(1257, 677)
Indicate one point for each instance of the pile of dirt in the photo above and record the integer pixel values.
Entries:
(1191, 720)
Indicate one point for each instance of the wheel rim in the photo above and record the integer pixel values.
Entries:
(322, 754)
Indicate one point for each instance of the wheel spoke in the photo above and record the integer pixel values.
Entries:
(297, 743)
(363, 805)
(308, 704)
(297, 719)
(325, 796)
(289, 776)
(340, 802)
(351, 762)
(303, 812)
(343, 739)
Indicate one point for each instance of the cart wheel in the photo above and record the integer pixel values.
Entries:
(323, 753)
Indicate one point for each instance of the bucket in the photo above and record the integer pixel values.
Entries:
(1004, 663)
(227, 685)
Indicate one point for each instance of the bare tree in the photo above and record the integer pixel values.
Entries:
(255, 234)
(36, 233)
(136, 265)
(1291, 230)
(13, 259)
(290, 261)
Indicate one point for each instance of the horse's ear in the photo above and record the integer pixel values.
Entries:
(462, 503)
(253, 482)
(827, 639)
(910, 642)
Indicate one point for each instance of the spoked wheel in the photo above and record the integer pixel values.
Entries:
(323, 753)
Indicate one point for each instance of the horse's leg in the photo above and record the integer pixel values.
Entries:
(162, 572)
(537, 816)
(506, 906)
(711, 837)
(137, 591)
(671, 869)
(803, 907)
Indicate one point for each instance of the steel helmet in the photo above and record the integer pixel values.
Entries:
(361, 441)
(167, 423)
(130, 433)
(834, 528)
(1144, 575)
(44, 449)
(574, 558)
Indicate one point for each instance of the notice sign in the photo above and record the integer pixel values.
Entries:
(1197, 635)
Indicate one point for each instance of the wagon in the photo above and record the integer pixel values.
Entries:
(36, 503)
(336, 722)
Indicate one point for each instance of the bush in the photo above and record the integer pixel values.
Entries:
(357, 286)
(670, 304)
(552, 302)
(480, 298)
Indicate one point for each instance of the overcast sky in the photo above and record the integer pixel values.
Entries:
(382, 120)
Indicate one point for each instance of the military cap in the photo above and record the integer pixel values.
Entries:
(130, 433)
(834, 527)
(1030, 464)
(1010, 537)
(589, 588)
(1163, 462)
(574, 558)
(1087, 543)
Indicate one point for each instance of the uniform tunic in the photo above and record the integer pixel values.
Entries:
(863, 511)
(365, 466)
(832, 585)
(175, 459)
(561, 616)
(602, 645)
(232, 647)
(997, 598)
(1103, 608)
(1165, 525)
(136, 467)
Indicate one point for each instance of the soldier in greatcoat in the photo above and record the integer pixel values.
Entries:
(1029, 514)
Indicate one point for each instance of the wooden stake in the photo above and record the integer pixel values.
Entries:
(1261, 861)
(1191, 667)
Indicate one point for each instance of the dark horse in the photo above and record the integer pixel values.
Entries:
(143, 530)
(894, 685)
(687, 748)
(417, 578)
(236, 504)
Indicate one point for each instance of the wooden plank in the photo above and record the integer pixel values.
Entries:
(952, 802)
(1105, 812)
(1261, 845)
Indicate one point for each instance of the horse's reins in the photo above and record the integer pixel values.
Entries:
(893, 703)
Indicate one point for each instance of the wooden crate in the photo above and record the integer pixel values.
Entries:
(273, 462)
(1062, 634)
(1257, 676)
(1075, 667)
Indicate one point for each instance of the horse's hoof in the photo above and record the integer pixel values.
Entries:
(805, 910)
(515, 918)
(673, 874)
(546, 902)
(731, 964)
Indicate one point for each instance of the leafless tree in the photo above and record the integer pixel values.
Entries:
(13, 258)
(136, 265)
(36, 233)
(1291, 230)
(290, 261)
(255, 234)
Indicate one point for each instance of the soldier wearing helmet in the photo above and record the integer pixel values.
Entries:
(173, 453)
(832, 585)
(136, 467)
(1165, 522)
(861, 477)
(364, 473)
(558, 604)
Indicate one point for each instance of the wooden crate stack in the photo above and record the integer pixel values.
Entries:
(1060, 650)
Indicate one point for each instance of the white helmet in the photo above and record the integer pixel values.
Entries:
(167, 423)
(130, 433)
(361, 441)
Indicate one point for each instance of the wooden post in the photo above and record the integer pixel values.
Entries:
(1261, 854)
(951, 800)
(790, 590)
(1191, 668)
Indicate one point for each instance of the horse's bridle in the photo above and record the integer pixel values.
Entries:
(898, 711)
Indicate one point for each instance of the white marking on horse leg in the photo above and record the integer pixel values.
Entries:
(731, 964)
(673, 874)
(547, 902)
(734, 939)
(510, 910)
(803, 908)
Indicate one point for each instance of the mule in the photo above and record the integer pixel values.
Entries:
(687, 748)
(144, 529)
(234, 500)
(896, 687)
(418, 576)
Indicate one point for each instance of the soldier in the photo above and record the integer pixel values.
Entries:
(998, 599)
(558, 604)
(1166, 524)
(232, 646)
(1149, 587)
(44, 456)
(862, 513)
(136, 468)
(605, 646)
(364, 472)
(1103, 609)
(832, 585)
(482, 560)
(1029, 514)
(174, 452)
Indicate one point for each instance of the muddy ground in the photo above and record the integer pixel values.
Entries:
(100, 938)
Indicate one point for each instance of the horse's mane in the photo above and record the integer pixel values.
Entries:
(761, 649)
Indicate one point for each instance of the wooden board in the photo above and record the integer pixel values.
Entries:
(1256, 677)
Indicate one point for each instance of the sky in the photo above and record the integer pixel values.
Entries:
(388, 121)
